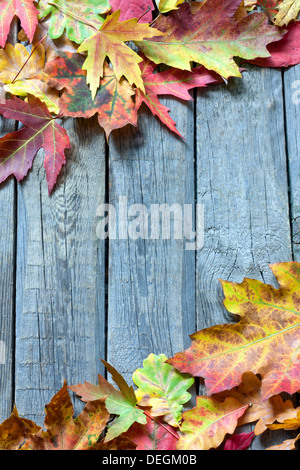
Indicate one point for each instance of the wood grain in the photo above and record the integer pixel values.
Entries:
(60, 321)
(151, 297)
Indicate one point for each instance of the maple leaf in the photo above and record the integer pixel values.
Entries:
(79, 19)
(153, 436)
(205, 426)
(19, 148)
(18, 69)
(119, 443)
(288, 11)
(118, 402)
(210, 36)
(165, 6)
(172, 82)
(239, 441)
(15, 430)
(162, 388)
(133, 9)
(113, 102)
(263, 411)
(109, 42)
(63, 432)
(24, 10)
(269, 328)
(285, 52)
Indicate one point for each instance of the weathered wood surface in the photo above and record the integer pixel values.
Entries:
(70, 299)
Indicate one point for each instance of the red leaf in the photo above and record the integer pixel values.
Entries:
(239, 441)
(24, 10)
(133, 9)
(285, 52)
(152, 436)
(19, 148)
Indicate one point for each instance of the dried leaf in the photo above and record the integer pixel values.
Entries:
(133, 9)
(153, 436)
(15, 430)
(288, 11)
(289, 444)
(24, 10)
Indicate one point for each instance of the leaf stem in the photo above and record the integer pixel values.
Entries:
(28, 58)
(68, 12)
(161, 424)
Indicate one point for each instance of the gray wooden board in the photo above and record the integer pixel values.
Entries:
(60, 312)
(242, 182)
(151, 297)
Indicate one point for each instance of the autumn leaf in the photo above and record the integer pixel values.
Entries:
(155, 435)
(205, 426)
(269, 328)
(133, 9)
(19, 148)
(162, 388)
(113, 102)
(240, 441)
(289, 424)
(109, 42)
(165, 6)
(119, 443)
(288, 11)
(289, 444)
(172, 82)
(263, 411)
(63, 432)
(15, 430)
(24, 10)
(79, 19)
(210, 36)
(285, 52)
(18, 69)
(120, 402)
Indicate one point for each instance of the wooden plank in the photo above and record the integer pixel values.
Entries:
(7, 287)
(60, 321)
(151, 296)
(242, 182)
(292, 110)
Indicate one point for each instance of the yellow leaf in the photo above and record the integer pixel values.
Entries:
(288, 10)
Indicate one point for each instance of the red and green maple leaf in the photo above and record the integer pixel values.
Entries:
(266, 340)
(155, 435)
(113, 102)
(24, 10)
(172, 82)
(209, 35)
(40, 130)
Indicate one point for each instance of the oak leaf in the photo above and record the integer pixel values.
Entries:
(289, 424)
(269, 328)
(24, 10)
(109, 42)
(113, 102)
(289, 444)
(63, 432)
(210, 36)
(205, 426)
(288, 11)
(133, 9)
(162, 388)
(263, 411)
(79, 19)
(19, 148)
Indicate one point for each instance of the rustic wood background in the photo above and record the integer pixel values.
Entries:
(68, 299)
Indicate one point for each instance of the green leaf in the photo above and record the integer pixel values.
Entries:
(163, 388)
